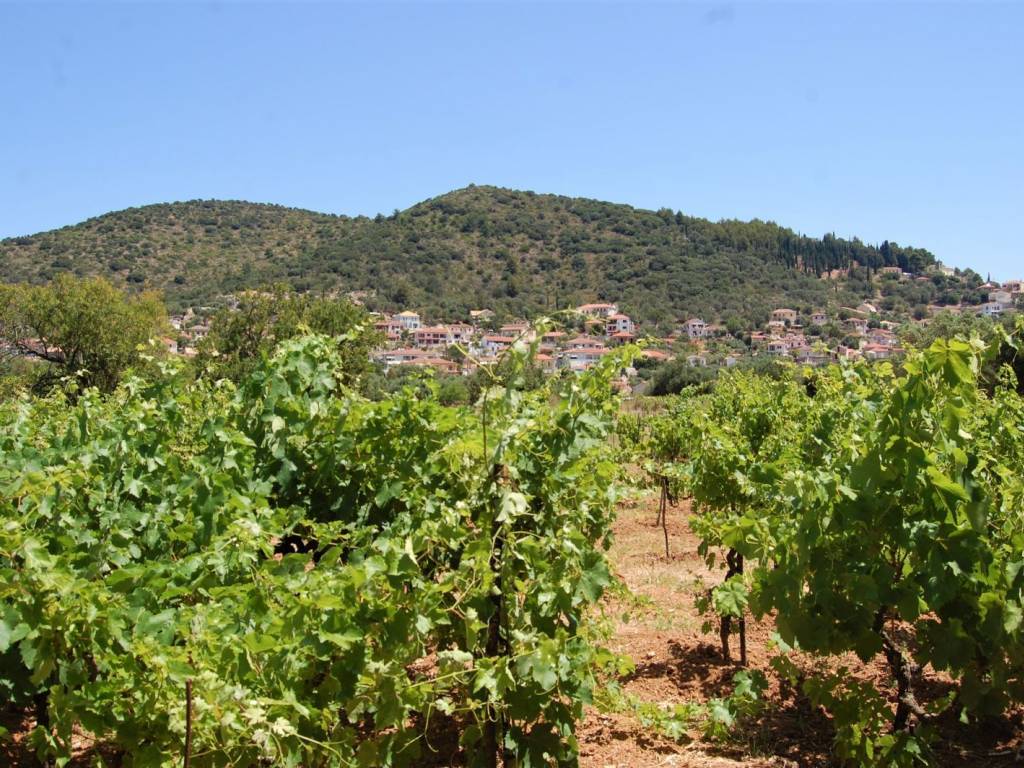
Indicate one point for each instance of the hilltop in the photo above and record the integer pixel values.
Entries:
(519, 253)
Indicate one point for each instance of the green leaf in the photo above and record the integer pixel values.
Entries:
(258, 643)
(952, 490)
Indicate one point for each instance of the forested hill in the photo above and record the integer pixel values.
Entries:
(520, 253)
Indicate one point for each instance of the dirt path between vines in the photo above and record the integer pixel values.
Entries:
(676, 662)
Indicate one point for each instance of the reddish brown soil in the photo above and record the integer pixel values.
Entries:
(676, 662)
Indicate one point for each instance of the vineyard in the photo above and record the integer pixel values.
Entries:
(868, 515)
(284, 572)
(289, 574)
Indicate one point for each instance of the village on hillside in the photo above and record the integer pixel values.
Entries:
(811, 336)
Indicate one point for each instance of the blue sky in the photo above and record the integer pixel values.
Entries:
(903, 122)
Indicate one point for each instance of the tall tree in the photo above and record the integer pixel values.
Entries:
(239, 338)
(84, 328)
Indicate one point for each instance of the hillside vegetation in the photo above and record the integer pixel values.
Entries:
(519, 253)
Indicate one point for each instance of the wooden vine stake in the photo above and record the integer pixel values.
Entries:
(664, 512)
(188, 722)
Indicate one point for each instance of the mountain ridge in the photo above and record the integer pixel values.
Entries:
(519, 252)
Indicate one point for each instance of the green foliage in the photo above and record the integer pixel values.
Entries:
(717, 720)
(878, 513)
(86, 330)
(519, 253)
(678, 375)
(332, 574)
(242, 336)
(996, 333)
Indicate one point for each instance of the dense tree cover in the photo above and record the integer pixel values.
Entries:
(243, 335)
(875, 512)
(673, 377)
(912, 297)
(287, 573)
(85, 329)
(516, 252)
(678, 375)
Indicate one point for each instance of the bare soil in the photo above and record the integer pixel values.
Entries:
(676, 662)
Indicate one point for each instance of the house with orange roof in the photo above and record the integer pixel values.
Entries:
(599, 309)
(878, 351)
(585, 342)
(657, 355)
(546, 362)
(438, 364)
(392, 329)
(432, 337)
(618, 323)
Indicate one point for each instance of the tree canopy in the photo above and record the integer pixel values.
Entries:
(82, 328)
(241, 337)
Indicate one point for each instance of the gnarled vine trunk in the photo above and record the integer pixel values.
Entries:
(735, 562)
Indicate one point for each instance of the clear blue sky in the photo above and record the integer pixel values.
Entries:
(902, 122)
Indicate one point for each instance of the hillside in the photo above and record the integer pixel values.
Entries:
(520, 253)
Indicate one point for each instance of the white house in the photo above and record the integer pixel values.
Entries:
(991, 309)
(493, 345)
(581, 359)
(408, 320)
(393, 357)
(618, 323)
(696, 328)
(882, 337)
(460, 333)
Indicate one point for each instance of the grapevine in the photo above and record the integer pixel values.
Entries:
(286, 572)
